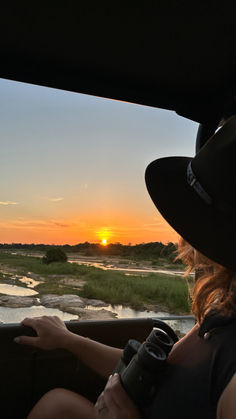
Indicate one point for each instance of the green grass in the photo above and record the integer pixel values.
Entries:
(110, 286)
(26, 264)
(51, 286)
(167, 290)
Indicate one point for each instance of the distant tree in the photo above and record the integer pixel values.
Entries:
(88, 252)
(54, 254)
(170, 253)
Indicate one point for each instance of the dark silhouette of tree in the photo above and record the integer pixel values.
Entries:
(55, 254)
(144, 251)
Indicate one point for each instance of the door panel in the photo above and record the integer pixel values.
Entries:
(27, 373)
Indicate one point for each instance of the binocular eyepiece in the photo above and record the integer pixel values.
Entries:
(142, 366)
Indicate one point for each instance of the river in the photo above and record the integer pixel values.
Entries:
(13, 315)
(118, 267)
(109, 264)
(16, 315)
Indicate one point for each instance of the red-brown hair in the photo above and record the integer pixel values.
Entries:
(215, 286)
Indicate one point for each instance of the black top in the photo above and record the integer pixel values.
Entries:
(201, 366)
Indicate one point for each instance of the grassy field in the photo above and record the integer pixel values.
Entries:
(113, 287)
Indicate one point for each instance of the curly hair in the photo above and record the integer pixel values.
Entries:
(215, 285)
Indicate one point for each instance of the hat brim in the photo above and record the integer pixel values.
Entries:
(204, 227)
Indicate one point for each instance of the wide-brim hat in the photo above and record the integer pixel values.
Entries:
(197, 196)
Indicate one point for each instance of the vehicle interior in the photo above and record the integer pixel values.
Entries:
(154, 54)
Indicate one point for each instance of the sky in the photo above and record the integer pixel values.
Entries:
(72, 166)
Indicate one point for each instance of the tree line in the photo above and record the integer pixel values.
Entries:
(147, 251)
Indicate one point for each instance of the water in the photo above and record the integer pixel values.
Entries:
(16, 290)
(16, 315)
(125, 312)
(107, 267)
(31, 283)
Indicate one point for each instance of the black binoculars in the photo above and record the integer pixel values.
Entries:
(142, 367)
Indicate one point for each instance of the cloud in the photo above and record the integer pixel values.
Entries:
(56, 199)
(50, 225)
(8, 203)
(58, 224)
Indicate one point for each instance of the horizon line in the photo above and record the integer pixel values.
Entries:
(72, 245)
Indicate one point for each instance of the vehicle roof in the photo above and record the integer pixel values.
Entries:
(161, 54)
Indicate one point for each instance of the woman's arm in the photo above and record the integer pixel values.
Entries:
(226, 408)
(52, 334)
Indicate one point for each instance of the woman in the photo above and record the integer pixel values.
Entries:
(197, 197)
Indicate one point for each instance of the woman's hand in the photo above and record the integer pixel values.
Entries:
(114, 403)
(51, 332)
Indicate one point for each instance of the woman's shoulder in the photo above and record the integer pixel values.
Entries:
(226, 407)
(218, 332)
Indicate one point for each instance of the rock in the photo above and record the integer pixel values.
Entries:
(98, 315)
(73, 282)
(76, 305)
(69, 300)
(86, 314)
(62, 301)
(68, 303)
(16, 301)
(95, 303)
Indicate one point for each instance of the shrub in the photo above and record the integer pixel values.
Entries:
(55, 254)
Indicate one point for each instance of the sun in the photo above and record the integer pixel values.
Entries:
(104, 235)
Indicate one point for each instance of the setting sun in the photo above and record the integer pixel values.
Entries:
(104, 235)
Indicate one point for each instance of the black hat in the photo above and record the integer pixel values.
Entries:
(197, 196)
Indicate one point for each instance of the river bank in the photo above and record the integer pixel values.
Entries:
(116, 263)
(89, 292)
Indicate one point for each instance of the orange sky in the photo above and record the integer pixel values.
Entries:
(72, 166)
(124, 230)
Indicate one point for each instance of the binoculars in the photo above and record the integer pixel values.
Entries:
(142, 367)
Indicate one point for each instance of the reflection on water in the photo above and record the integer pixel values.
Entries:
(15, 290)
(106, 267)
(30, 282)
(125, 312)
(127, 274)
(16, 315)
